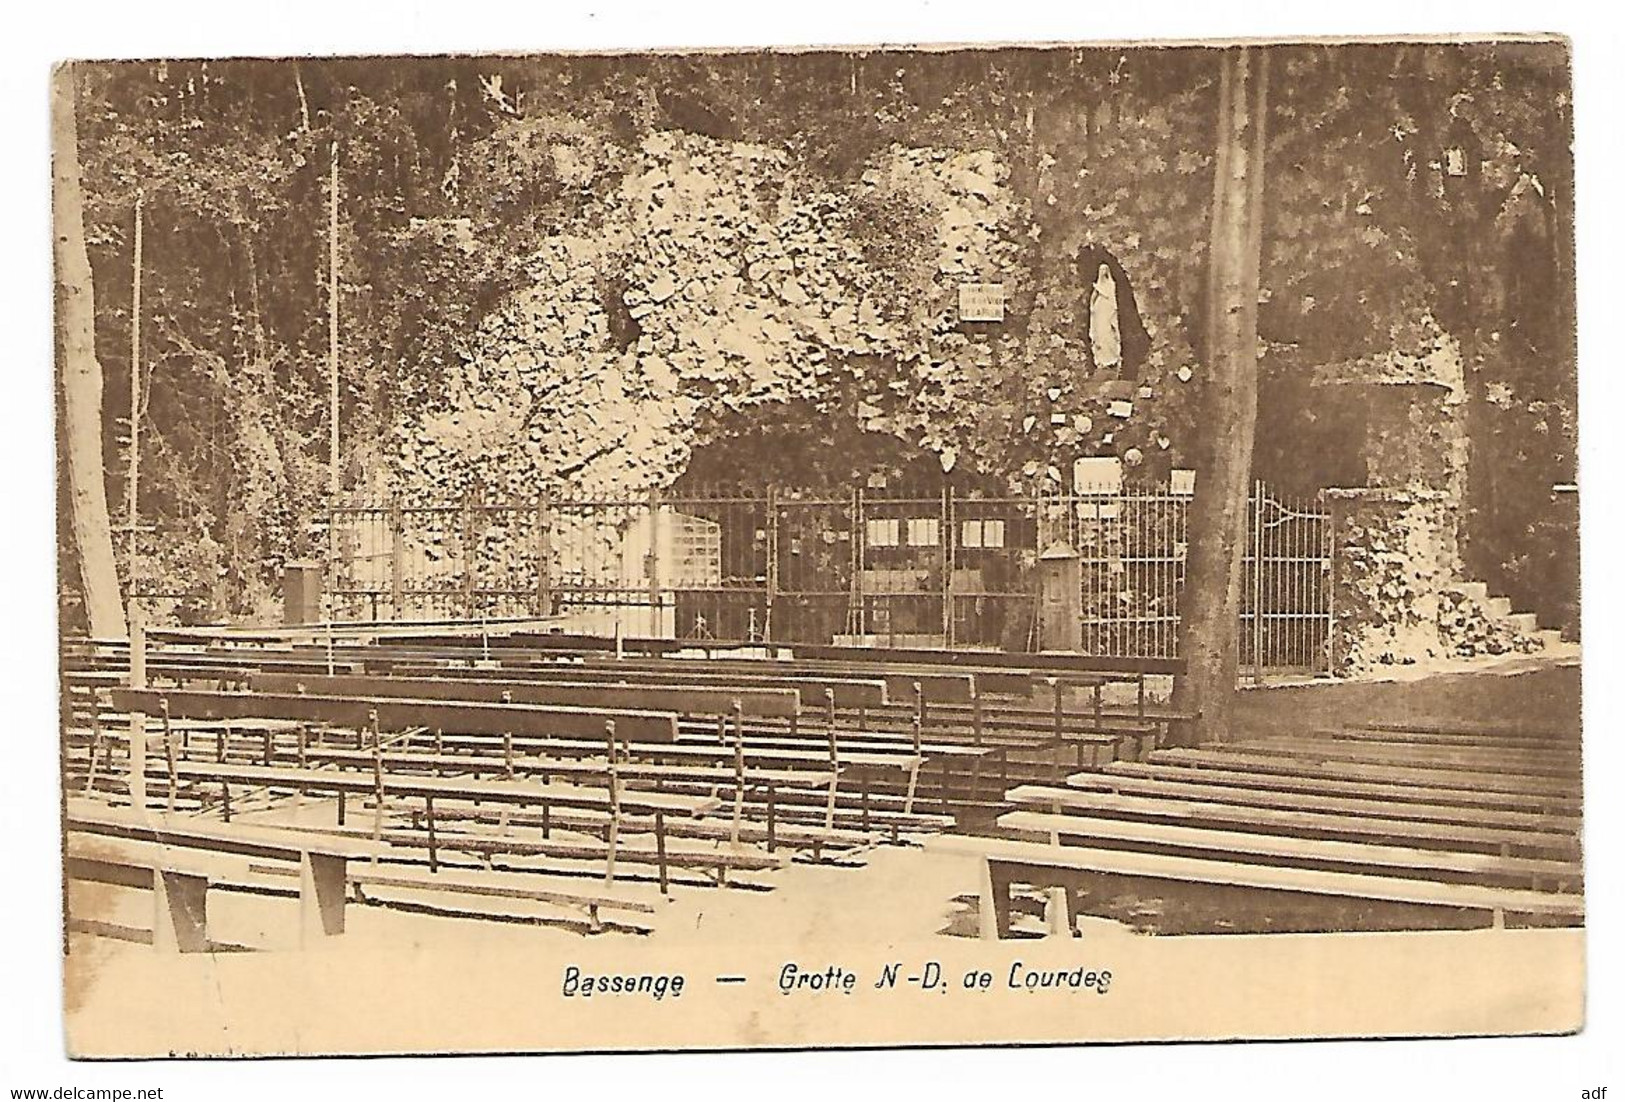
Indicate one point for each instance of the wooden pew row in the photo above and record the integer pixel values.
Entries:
(881, 812)
(1357, 823)
(615, 800)
(941, 684)
(931, 658)
(754, 703)
(553, 643)
(411, 838)
(1445, 740)
(1206, 786)
(1558, 854)
(1498, 784)
(1287, 778)
(179, 883)
(1531, 763)
(692, 750)
(680, 700)
(944, 769)
(809, 783)
(801, 836)
(899, 684)
(1075, 735)
(1006, 861)
(388, 713)
(320, 862)
(197, 665)
(958, 694)
(630, 772)
(186, 930)
(1270, 848)
(398, 884)
(1478, 743)
(507, 661)
(1091, 738)
(945, 684)
(666, 856)
(515, 792)
(1456, 728)
(848, 692)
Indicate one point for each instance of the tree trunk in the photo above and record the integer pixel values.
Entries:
(1212, 598)
(80, 376)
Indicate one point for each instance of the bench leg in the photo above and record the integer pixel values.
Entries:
(660, 852)
(434, 851)
(1058, 913)
(138, 761)
(993, 916)
(321, 896)
(987, 919)
(179, 912)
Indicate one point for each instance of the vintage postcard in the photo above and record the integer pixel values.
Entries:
(795, 548)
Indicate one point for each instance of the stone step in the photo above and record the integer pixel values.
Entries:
(1478, 591)
(1525, 623)
(1497, 608)
(1550, 637)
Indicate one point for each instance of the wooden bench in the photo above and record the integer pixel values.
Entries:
(1532, 763)
(179, 883)
(397, 761)
(1210, 807)
(321, 861)
(683, 700)
(498, 885)
(849, 692)
(393, 713)
(1307, 764)
(1286, 844)
(515, 792)
(1461, 728)
(1289, 780)
(1270, 791)
(899, 682)
(1004, 861)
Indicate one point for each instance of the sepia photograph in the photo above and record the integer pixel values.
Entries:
(815, 547)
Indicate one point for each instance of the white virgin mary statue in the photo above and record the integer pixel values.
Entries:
(1105, 339)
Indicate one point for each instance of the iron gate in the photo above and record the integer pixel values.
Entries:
(870, 565)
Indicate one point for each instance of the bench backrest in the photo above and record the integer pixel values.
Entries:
(685, 700)
(399, 714)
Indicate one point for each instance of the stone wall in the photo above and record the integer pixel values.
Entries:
(1399, 592)
(1394, 554)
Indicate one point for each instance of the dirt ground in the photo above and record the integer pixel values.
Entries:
(1536, 691)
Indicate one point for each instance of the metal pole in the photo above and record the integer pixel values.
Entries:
(544, 555)
(772, 561)
(947, 538)
(135, 385)
(1258, 582)
(397, 559)
(468, 555)
(655, 617)
(860, 535)
(333, 328)
(1329, 549)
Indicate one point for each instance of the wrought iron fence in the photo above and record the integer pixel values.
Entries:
(869, 565)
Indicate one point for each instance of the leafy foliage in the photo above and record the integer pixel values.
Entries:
(509, 227)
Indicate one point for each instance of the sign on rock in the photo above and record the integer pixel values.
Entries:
(981, 302)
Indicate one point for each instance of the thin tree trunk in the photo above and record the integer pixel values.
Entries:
(1212, 599)
(80, 375)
